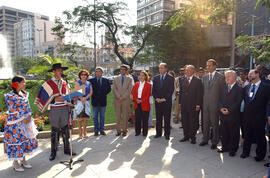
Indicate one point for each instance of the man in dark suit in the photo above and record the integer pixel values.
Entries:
(229, 107)
(256, 97)
(190, 101)
(213, 83)
(163, 87)
(101, 88)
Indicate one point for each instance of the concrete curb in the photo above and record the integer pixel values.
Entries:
(47, 134)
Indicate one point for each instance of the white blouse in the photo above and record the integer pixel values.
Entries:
(140, 89)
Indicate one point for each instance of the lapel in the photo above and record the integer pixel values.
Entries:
(258, 90)
(159, 84)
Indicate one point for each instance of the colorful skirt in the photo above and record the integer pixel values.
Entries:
(16, 145)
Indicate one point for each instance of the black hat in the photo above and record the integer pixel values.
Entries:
(57, 66)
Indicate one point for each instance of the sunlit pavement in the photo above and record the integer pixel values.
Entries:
(137, 156)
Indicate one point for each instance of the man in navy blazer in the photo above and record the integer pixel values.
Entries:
(163, 87)
(101, 87)
(257, 108)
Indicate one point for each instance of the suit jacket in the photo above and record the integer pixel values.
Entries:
(212, 90)
(99, 97)
(232, 101)
(124, 90)
(191, 96)
(146, 93)
(257, 109)
(166, 90)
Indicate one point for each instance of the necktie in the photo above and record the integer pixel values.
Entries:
(123, 79)
(229, 88)
(99, 82)
(211, 77)
(188, 82)
(161, 81)
(252, 92)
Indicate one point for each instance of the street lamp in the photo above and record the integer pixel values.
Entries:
(39, 30)
(252, 34)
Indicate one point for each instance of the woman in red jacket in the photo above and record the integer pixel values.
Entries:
(141, 93)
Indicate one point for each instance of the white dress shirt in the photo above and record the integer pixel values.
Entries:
(213, 74)
(140, 89)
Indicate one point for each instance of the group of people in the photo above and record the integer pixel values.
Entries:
(225, 103)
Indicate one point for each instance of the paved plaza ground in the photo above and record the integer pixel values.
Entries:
(111, 156)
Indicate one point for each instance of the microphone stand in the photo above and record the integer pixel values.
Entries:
(69, 163)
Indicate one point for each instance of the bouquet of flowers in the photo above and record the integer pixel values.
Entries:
(2, 121)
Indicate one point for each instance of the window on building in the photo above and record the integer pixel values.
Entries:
(1, 11)
(11, 18)
(10, 12)
(23, 15)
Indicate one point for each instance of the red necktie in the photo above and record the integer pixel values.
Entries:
(188, 82)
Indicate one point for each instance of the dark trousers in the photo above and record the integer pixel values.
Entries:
(141, 120)
(230, 134)
(201, 113)
(55, 134)
(242, 124)
(190, 121)
(255, 131)
(163, 111)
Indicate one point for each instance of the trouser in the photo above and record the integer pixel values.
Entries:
(255, 131)
(163, 111)
(55, 135)
(242, 124)
(121, 111)
(150, 121)
(176, 110)
(230, 134)
(201, 113)
(141, 119)
(210, 118)
(99, 118)
(190, 122)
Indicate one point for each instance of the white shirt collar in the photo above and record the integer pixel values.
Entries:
(258, 83)
(213, 73)
(142, 83)
(190, 78)
(232, 85)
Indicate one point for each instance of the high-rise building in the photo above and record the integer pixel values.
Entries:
(8, 17)
(31, 35)
(154, 12)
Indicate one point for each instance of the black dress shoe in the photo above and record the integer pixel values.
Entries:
(232, 154)
(102, 133)
(167, 137)
(244, 156)
(203, 143)
(193, 141)
(96, 134)
(137, 134)
(258, 159)
(221, 150)
(67, 152)
(118, 134)
(157, 136)
(213, 147)
(183, 139)
(52, 156)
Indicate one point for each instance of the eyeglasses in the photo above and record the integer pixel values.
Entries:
(84, 75)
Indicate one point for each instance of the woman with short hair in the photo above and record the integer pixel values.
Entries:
(141, 94)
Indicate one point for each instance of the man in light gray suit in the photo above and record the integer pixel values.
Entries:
(213, 83)
(122, 87)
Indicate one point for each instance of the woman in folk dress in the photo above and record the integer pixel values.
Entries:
(20, 130)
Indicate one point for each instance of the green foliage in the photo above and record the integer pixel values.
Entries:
(220, 10)
(107, 14)
(22, 64)
(257, 48)
(264, 3)
(41, 70)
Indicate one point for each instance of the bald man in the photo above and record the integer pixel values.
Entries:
(229, 114)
